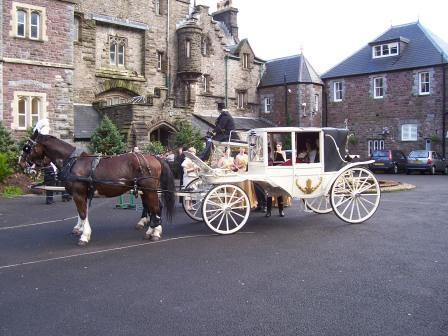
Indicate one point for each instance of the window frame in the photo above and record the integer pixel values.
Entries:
(377, 88)
(246, 60)
(121, 52)
(382, 50)
(411, 132)
(159, 60)
(267, 104)
(76, 29)
(24, 23)
(187, 48)
(337, 90)
(113, 51)
(426, 83)
(241, 100)
(373, 145)
(29, 113)
(157, 7)
(37, 25)
(316, 102)
(206, 83)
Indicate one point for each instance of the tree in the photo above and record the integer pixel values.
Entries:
(106, 139)
(189, 136)
(7, 143)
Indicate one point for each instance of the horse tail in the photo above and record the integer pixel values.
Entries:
(168, 187)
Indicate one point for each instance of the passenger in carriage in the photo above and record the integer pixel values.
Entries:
(241, 160)
(227, 161)
(279, 154)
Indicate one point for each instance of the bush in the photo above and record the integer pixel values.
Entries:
(106, 139)
(12, 191)
(155, 148)
(189, 136)
(5, 169)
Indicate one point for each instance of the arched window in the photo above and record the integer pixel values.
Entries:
(121, 54)
(35, 25)
(113, 53)
(21, 23)
(22, 112)
(35, 110)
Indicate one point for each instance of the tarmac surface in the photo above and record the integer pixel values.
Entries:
(305, 274)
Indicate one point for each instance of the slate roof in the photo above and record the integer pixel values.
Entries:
(87, 119)
(423, 49)
(296, 68)
(206, 123)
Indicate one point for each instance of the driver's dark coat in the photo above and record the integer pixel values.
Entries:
(223, 125)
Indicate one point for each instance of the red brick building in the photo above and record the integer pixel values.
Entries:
(392, 93)
(290, 92)
(36, 65)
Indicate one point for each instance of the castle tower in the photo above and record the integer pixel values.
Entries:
(229, 15)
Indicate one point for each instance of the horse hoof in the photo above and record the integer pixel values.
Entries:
(154, 238)
(77, 232)
(139, 227)
(82, 243)
(147, 236)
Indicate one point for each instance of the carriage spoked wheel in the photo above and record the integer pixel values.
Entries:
(226, 208)
(192, 204)
(320, 204)
(355, 195)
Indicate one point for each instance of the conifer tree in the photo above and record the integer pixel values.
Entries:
(106, 139)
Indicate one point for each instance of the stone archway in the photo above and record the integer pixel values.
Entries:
(164, 133)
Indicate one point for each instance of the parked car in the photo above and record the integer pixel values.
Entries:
(390, 160)
(426, 161)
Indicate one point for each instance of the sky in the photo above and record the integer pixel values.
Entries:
(328, 31)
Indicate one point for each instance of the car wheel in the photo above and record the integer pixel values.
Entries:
(395, 169)
(433, 170)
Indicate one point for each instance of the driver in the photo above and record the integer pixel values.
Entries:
(223, 125)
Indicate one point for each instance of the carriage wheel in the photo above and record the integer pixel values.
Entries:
(192, 204)
(226, 208)
(320, 204)
(355, 195)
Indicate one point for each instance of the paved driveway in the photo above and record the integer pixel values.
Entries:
(305, 274)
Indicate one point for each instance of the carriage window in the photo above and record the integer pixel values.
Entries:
(279, 149)
(307, 146)
(256, 148)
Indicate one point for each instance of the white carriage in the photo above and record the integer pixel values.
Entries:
(330, 183)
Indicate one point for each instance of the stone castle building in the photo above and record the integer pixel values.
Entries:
(147, 64)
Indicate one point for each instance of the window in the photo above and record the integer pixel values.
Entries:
(373, 145)
(423, 83)
(267, 105)
(35, 25)
(385, 50)
(316, 102)
(159, 60)
(337, 91)
(409, 132)
(21, 23)
(157, 7)
(204, 47)
(206, 83)
(76, 28)
(121, 54)
(378, 87)
(241, 99)
(187, 48)
(113, 54)
(28, 109)
(117, 46)
(245, 61)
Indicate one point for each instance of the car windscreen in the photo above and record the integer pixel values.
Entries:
(420, 154)
(379, 154)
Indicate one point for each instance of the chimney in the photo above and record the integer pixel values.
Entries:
(229, 15)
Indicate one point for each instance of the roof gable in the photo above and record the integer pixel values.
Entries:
(422, 49)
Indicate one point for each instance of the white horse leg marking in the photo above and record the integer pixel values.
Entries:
(78, 228)
(141, 223)
(156, 233)
(148, 233)
(86, 232)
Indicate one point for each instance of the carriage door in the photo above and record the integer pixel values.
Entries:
(308, 167)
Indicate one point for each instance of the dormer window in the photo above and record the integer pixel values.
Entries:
(385, 50)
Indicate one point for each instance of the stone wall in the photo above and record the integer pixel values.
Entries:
(371, 118)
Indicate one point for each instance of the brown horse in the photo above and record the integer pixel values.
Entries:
(108, 176)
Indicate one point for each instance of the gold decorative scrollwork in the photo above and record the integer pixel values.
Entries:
(308, 189)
